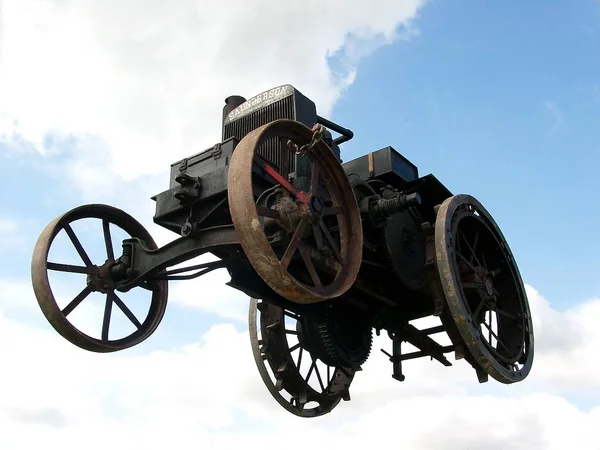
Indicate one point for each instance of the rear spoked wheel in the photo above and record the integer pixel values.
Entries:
(484, 292)
(299, 381)
(98, 286)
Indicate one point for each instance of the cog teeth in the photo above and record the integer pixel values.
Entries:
(459, 352)
(333, 355)
(282, 368)
(482, 376)
(300, 400)
(264, 351)
(279, 384)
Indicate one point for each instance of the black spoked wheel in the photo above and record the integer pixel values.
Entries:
(300, 382)
(484, 291)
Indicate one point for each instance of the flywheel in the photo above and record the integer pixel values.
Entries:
(307, 243)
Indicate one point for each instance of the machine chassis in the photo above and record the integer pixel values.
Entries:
(343, 248)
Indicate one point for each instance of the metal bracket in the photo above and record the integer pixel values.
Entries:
(216, 151)
(184, 165)
(431, 269)
(419, 338)
(142, 263)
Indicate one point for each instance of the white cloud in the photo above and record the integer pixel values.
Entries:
(142, 83)
(210, 294)
(208, 393)
(565, 342)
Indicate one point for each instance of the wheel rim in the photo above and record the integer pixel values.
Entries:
(301, 220)
(97, 280)
(484, 290)
(322, 386)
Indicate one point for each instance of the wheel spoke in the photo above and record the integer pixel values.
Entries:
(273, 173)
(498, 322)
(482, 303)
(84, 257)
(88, 270)
(123, 307)
(319, 376)
(310, 266)
(318, 235)
(331, 242)
(294, 242)
(484, 263)
(295, 347)
(312, 367)
(107, 314)
(497, 338)
(474, 247)
(466, 261)
(76, 301)
(108, 240)
(299, 358)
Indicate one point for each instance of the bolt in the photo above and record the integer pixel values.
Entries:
(186, 229)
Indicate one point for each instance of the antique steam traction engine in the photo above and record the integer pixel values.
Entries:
(326, 251)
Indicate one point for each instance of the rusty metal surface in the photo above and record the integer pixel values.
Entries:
(453, 288)
(249, 228)
(99, 279)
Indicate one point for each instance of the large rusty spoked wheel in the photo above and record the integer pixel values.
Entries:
(316, 222)
(484, 291)
(97, 279)
(299, 381)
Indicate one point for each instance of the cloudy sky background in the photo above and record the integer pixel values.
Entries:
(97, 99)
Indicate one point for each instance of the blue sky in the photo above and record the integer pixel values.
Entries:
(500, 100)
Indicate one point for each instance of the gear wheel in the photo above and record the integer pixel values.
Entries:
(403, 249)
(339, 340)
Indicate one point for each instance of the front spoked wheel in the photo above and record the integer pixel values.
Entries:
(91, 270)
